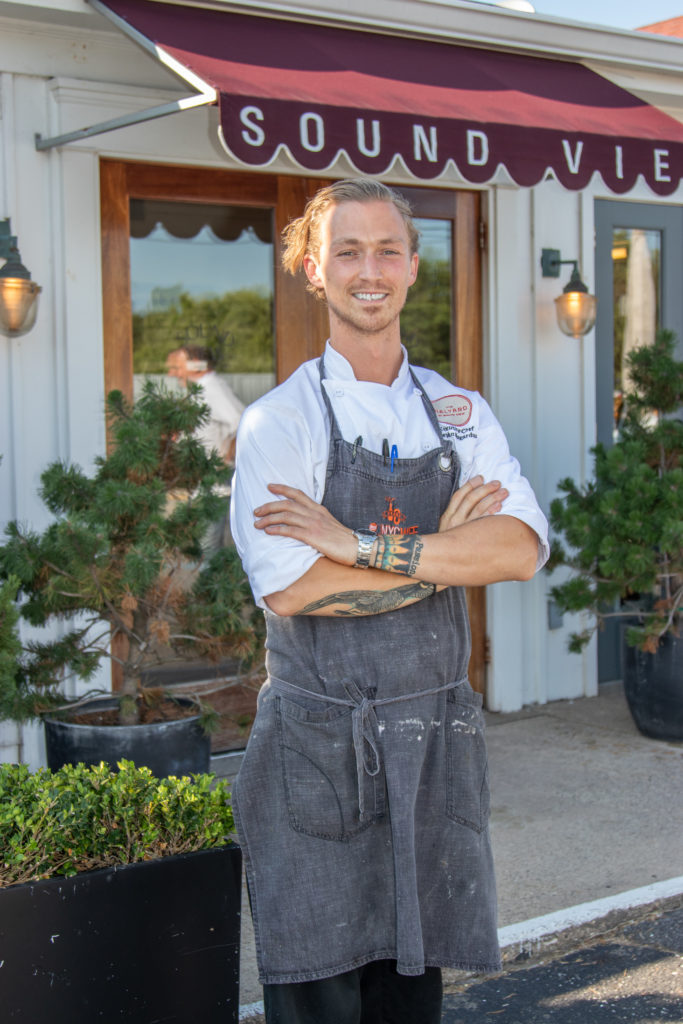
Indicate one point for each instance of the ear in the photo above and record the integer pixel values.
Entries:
(414, 263)
(312, 273)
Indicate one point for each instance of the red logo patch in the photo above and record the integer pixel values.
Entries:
(454, 409)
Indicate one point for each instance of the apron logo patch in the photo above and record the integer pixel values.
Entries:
(454, 409)
(393, 520)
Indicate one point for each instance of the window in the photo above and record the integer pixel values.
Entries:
(203, 274)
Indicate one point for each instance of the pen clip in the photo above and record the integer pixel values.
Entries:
(385, 450)
(394, 455)
(356, 443)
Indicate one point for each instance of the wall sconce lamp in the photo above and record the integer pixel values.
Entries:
(576, 309)
(18, 293)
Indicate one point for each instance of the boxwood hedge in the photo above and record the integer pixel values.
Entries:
(79, 818)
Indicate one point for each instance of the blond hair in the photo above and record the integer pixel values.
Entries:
(301, 237)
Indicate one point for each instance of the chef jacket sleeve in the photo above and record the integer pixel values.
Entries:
(492, 459)
(273, 446)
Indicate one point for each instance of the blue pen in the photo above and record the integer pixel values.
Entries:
(394, 455)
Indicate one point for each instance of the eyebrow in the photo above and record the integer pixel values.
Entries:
(356, 241)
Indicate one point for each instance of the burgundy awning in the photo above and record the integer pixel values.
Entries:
(319, 91)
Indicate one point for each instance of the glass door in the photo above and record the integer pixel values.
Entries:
(638, 267)
(638, 249)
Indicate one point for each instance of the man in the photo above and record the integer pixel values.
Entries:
(195, 363)
(367, 495)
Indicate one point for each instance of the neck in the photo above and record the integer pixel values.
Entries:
(372, 358)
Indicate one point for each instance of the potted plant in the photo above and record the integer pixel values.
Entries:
(122, 565)
(625, 535)
(119, 897)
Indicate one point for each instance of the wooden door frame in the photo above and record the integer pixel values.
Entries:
(300, 320)
(464, 210)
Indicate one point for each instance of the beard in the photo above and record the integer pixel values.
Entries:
(367, 321)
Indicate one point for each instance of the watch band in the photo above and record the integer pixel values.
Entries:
(366, 540)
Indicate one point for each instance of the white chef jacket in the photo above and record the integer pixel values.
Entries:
(283, 438)
(225, 412)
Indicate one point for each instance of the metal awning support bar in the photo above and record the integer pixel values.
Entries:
(204, 95)
(124, 121)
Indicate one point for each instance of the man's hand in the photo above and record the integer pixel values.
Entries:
(301, 518)
(472, 501)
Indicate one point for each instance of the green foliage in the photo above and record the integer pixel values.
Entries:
(124, 553)
(426, 317)
(624, 528)
(237, 326)
(10, 648)
(77, 819)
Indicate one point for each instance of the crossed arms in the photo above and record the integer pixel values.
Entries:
(473, 547)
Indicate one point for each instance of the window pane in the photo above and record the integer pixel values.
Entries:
(203, 274)
(636, 261)
(427, 319)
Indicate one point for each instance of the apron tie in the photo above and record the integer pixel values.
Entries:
(365, 741)
(364, 724)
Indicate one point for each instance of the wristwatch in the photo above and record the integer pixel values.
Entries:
(366, 539)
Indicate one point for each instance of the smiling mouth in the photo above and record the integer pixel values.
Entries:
(370, 296)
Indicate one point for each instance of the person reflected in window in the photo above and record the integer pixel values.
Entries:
(195, 363)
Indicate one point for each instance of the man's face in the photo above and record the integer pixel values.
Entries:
(364, 264)
(176, 365)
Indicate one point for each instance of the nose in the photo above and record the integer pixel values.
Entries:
(371, 269)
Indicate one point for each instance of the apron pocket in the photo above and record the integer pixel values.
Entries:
(467, 786)
(319, 772)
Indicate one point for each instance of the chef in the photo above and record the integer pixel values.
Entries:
(368, 494)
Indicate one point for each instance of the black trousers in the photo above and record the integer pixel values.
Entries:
(373, 994)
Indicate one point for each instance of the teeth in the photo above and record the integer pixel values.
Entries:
(370, 296)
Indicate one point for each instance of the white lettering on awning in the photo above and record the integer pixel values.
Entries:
(662, 165)
(305, 123)
(360, 137)
(477, 148)
(257, 136)
(422, 144)
(619, 161)
(573, 159)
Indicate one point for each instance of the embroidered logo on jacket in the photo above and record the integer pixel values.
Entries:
(453, 409)
(454, 413)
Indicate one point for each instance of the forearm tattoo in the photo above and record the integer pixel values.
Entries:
(371, 602)
(398, 553)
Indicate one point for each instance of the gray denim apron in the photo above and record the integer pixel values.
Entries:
(362, 801)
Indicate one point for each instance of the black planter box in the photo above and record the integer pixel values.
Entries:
(144, 943)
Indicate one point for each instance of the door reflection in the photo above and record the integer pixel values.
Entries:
(636, 261)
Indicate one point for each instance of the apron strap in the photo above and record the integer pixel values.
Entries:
(364, 724)
(336, 434)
